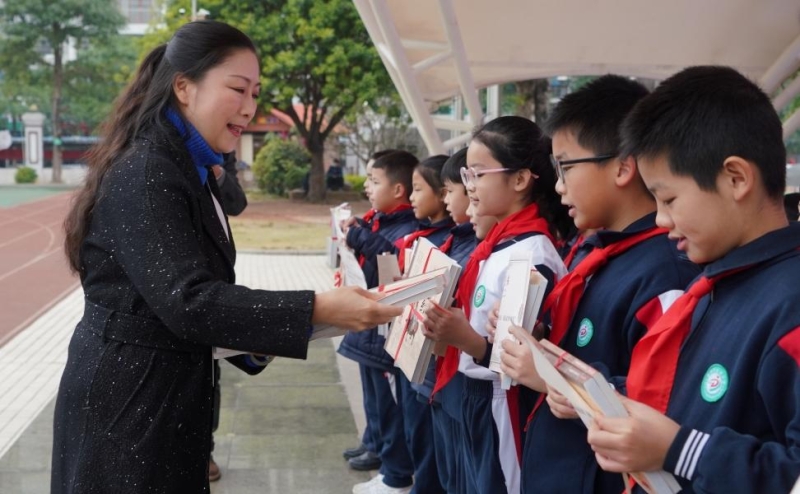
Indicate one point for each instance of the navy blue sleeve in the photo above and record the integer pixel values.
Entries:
(356, 238)
(724, 460)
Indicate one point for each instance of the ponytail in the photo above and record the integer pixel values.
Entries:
(116, 133)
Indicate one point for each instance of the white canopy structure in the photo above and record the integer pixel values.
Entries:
(438, 49)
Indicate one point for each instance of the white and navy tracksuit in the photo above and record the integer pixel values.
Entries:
(606, 325)
(737, 387)
(492, 417)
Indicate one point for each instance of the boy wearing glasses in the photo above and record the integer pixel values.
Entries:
(621, 280)
(717, 380)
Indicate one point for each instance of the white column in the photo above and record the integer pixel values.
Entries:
(492, 102)
(34, 139)
(246, 148)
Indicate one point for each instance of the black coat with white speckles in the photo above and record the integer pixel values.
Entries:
(133, 413)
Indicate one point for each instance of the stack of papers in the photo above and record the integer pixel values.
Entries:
(411, 350)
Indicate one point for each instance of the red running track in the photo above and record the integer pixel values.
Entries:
(34, 274)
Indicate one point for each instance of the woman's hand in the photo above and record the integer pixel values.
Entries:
(352, 308)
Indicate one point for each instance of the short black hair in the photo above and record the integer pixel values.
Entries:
(431, 170)
(399, 167)
(377, 154)
(595, 112)
(791, 202)
(702, 115)
(451, 170)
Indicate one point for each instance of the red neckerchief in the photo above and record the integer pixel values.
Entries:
(369, 215)
(564, 299)
(376, 223)
(407, 242)
(573, 251)
(654, 360)
(448, 244)
(525, 221)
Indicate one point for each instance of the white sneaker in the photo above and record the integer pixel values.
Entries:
(381, 488)
(366, 487)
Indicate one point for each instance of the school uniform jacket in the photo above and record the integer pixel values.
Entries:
(134, 407)
(737, 387)
(613, 314)
(464, 242)
(366, 347)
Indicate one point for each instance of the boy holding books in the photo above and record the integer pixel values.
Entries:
(716, 381)
(626, 273)
(389, 196)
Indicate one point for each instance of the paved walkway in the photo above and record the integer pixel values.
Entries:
(281, 431)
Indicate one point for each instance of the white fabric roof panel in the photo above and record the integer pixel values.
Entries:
(508, 40)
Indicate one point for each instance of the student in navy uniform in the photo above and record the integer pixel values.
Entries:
(509, 176)
(391, 188)
(365, 456)
(603, 306)
(717, 379)
(461, 241)
(446, 405)
(427, 199)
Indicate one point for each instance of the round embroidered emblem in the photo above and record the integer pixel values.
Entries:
(585, 332)
(480, 296)
(715, 383)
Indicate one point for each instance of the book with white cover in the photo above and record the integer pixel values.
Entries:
(398, 294)
(409, 348)
(521, 299)
(590, 394)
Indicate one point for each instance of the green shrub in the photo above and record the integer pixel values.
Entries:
(25, 175)
(356, 182)
(280, 166)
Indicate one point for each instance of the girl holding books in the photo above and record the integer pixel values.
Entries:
(508, 176)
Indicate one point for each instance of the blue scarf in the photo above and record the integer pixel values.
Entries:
(202, 154)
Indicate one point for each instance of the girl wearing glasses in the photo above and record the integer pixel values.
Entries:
(508, 176)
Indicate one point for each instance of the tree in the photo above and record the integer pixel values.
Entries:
(532, 99)
(27, 24)
(317, 54)
(378, 125)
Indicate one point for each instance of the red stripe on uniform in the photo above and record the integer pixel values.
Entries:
(790, 343)
(512, 396)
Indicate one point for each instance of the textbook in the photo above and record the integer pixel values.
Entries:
(399, 294)
(409, 348)
(521, 299)
(590, 394)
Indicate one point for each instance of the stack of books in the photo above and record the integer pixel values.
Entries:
(520, 302)
(411, 350)
(591, 394)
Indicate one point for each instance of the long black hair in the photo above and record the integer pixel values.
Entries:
(519, 144)
(196, 48)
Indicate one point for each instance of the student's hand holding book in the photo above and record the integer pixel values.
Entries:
(516, 360)
(451, 326)
(491, 322)
(352, 308)
(636, 443)
(560, 405)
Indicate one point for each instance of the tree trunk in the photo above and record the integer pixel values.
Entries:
(316, 180)
(540, 103)
(58, 80)
(532, 99)
(525, 98)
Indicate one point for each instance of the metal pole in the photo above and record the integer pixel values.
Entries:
(194, 10)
